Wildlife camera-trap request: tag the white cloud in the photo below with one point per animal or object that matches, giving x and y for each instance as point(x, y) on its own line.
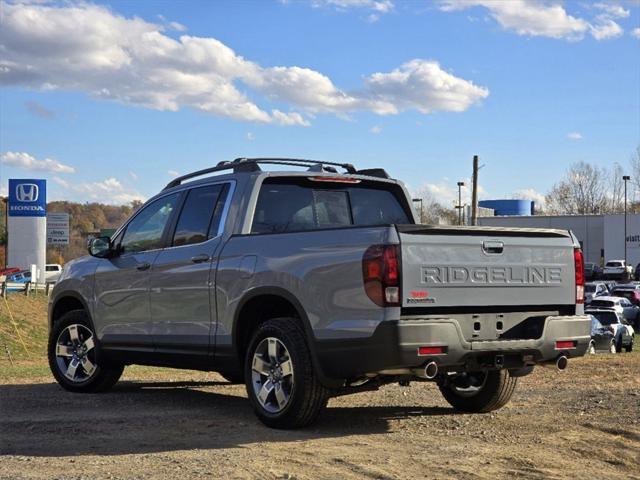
point(88, 48)
point(380, 6)
point(172, 173)
point(109, 190)
point(530, 194)
point(27, 162)
point(133, 175)
point(636, 32)
point(376, 129)
point(574, 136)
point(612, 10)
point(421, 85)
point(547, 18)
point(606, 28)
point(250, 136)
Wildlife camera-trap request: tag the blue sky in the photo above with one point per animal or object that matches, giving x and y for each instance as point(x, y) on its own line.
point(109, 100)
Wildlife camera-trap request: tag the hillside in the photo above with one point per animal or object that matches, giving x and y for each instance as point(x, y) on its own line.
point(85, 218)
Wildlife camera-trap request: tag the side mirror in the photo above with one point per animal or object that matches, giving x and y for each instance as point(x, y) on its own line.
point(100, 247)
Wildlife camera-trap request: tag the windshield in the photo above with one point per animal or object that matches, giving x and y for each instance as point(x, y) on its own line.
point(602, 303)
point(606, 318)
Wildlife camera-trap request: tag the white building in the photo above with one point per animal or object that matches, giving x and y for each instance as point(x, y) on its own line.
point(601, 236)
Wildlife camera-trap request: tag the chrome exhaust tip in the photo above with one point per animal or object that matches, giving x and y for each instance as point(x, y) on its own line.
point(431, 370)
point(562, 362)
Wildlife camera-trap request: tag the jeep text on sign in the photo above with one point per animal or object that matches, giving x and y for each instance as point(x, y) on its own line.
point(58, 229)
point(27, 198)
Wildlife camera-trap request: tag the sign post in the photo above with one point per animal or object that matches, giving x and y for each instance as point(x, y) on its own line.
point(57, 229)
point(27, 225)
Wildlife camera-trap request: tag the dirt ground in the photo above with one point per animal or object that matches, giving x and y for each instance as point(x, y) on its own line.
point(584, 422)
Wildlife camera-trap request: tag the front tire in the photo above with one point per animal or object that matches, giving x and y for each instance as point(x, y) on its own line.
point(479, 392)
point(74, 355)
point(592, 348)
point(281, 382)
point(629, 348)
point(613, 348)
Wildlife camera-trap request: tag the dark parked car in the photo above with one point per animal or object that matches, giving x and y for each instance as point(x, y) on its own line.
point(602, 339)
point(592, 271)
point(615, 322)
point(636, 274)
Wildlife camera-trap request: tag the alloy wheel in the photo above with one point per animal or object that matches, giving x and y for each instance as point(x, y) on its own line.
point(75, 353)
point(272, 375)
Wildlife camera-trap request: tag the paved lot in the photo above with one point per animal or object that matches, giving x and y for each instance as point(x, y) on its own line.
point(584, 422)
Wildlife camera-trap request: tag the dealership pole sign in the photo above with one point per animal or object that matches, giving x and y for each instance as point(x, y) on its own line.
point(27, 198)
point(57, 229)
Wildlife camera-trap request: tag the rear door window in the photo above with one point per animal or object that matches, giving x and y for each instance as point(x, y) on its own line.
point(289, 206)
point(198, 220)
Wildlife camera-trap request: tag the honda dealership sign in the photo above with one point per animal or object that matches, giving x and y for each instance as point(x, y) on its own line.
point(27, 225)
point(27, 198)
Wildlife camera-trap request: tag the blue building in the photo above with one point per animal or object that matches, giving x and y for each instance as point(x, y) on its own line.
point(509, 207)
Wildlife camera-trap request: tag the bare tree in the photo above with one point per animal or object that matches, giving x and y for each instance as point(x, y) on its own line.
point(433, 212)
point(615, 190)
point(583, 190)
point(634, 163)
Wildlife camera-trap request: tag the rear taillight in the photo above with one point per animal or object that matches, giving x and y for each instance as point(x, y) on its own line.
point(579, 267)
point(381, 275)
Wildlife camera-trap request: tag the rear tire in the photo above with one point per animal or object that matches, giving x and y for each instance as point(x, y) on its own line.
point(75, 359)
point(629, 348)
point(480, 392)
point(281, 382)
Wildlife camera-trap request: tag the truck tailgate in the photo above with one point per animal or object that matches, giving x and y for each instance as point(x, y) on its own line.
point(484, 266)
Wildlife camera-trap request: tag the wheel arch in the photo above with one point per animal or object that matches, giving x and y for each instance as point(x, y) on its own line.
point(65, 302)
point(281, 303)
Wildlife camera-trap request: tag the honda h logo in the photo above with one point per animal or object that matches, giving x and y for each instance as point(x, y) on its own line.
point(27, 192)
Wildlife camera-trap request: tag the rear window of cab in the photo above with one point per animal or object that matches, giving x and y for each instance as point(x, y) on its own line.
point(293, 205)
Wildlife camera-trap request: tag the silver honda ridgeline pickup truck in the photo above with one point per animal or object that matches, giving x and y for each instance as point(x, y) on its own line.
point(310, 284)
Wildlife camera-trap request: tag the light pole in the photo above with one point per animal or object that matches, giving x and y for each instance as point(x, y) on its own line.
point(626, 178)
point(460, 185)
point(415, 200)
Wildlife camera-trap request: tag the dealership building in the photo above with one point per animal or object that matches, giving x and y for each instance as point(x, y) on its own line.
point(601, 236)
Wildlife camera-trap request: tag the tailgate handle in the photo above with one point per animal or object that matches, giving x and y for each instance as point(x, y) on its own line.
point(493, 248)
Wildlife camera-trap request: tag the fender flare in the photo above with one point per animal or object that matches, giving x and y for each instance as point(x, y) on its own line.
point(304, 318)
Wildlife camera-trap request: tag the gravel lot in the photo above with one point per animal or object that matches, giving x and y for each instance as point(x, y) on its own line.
point(584, 422)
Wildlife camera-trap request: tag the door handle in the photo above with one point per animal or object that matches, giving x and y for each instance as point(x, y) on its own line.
point(200, 258)
point(143, 266)
point(493, 248)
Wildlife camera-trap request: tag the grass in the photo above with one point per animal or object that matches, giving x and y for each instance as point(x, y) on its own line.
point(23, 319)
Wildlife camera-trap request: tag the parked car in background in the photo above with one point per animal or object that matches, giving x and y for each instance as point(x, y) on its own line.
point(616, 269)
point(623, 333)
point(19, 277)
point(602, 338)
point(619, 304)
point(636, 274)
point(594, 289)
point(52, 272)
point(592, 271)
point(9, 271)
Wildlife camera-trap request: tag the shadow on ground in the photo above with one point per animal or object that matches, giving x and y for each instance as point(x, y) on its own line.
point(44, 420)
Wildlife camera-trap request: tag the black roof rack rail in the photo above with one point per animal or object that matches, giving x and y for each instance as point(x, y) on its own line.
point(374, 172)
point(252, 165)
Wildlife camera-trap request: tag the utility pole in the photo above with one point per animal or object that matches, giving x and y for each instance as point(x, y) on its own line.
point(474, 192)
point(459, 207)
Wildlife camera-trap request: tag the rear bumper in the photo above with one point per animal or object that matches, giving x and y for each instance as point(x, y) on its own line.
point(394, 345)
